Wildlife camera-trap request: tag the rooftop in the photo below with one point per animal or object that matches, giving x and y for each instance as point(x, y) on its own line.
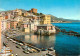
point(25, 23)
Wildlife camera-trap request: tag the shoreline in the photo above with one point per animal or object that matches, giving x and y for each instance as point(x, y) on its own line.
point(29, 45)
point(20, 34)
point(61, 22)
point(20, 51)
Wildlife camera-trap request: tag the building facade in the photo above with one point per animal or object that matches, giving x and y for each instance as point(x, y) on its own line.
point(46, 29)
point(25, 14)
point(3, 25)
point(6, 17)
point(17, 12)
point(13, 24)
point(8, 25)
point(0, 32)
point(1, 18)
point(25, 27)
point(45, 19)
point(33, 10)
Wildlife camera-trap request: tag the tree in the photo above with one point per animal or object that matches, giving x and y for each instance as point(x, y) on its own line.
point(41, 13)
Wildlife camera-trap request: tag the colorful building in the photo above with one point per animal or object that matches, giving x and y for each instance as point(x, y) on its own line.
point(45, 19)
point(8, 24)
point(33, 10)
point(32, 17)
point(25, 27)
point(46, 29)
point(25, 14)
point(1, 17)
point(3, 25)
point(13, 24)
point(0, 32)
point(27, 30)
point(6, 17)
point(17, 12)
point(19, 18)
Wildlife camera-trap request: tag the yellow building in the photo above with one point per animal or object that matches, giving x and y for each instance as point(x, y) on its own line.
point(26, 14)
point(18, 12)
point(45, 19)
point(27, 30)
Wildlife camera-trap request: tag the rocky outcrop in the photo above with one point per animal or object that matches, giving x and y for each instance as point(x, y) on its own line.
point(73, 33)
point(57, 29)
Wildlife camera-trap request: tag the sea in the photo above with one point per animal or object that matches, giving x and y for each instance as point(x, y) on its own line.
point(63, 44)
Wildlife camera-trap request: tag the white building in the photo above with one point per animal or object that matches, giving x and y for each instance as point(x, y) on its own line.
point(3, 25)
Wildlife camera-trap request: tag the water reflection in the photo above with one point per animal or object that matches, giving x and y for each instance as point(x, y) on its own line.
point(62, 43)
point(39, 41)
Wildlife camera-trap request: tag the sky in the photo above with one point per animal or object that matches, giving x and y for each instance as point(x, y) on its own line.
point(68, 9)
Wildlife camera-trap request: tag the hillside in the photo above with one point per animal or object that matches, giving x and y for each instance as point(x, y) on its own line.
point(62, 19)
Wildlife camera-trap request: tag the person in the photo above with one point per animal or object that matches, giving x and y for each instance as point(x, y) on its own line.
point(16, 54)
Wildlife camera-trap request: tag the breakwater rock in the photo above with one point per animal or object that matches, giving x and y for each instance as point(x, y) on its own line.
point(57, 29)
point(73, 33)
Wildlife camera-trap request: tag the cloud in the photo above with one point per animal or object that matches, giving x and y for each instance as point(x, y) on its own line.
point(1, 9)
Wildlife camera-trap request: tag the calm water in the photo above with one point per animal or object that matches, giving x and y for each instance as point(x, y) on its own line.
point(62, 43)
point(69, 26)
